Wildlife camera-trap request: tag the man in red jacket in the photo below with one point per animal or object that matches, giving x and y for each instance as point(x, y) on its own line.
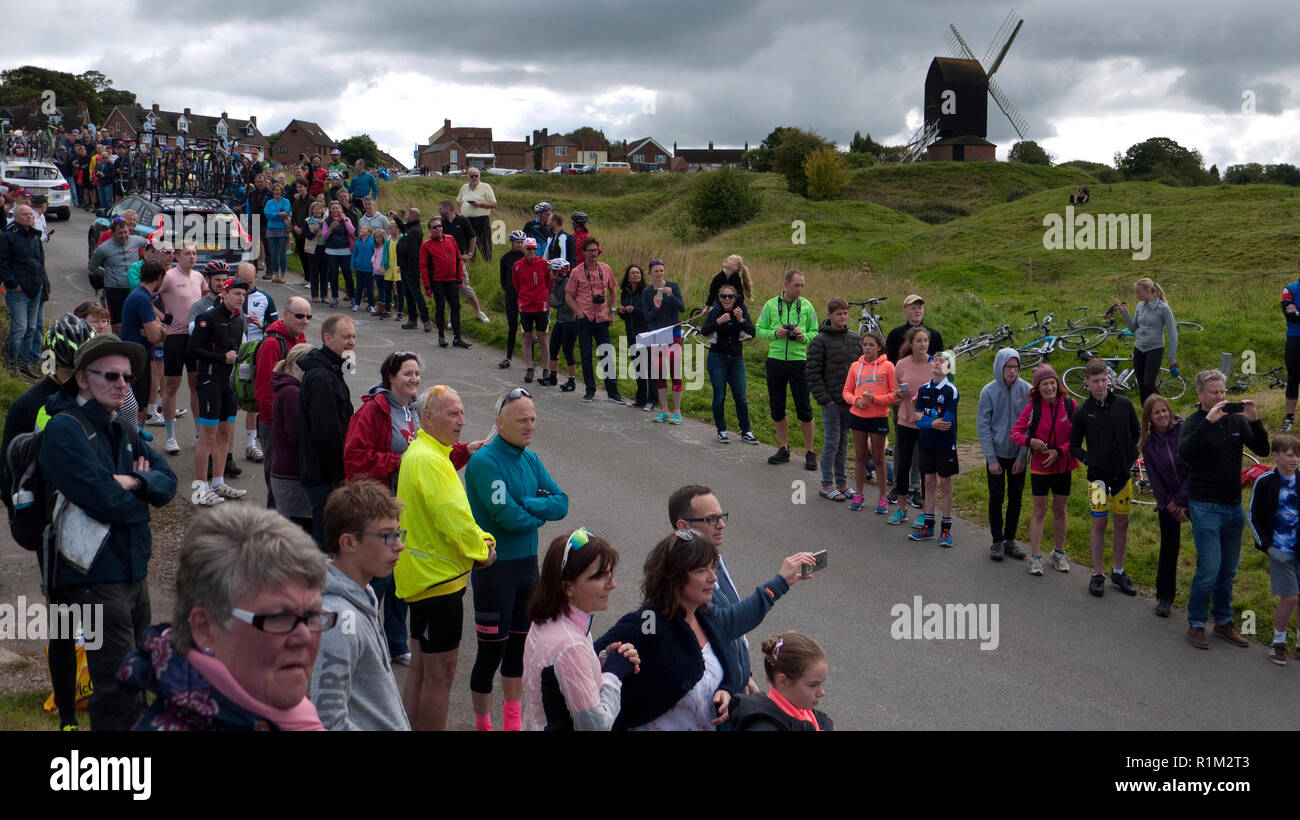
point(289, 330)
point(442, 271)
point(532, 282)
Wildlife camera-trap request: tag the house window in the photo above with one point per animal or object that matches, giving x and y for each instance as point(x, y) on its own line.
point(660, 159)
point(281, 149)
point(591, 156)
point(452, 157)
point(250, 130)
point(638, 158)
point(117, 129)
point(183, 125)
point(561, 150)
point(221, 129)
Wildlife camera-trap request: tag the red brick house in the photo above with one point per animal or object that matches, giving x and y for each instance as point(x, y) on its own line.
point(131, 122)
point(646, 154)
point(550, 150)
point(511, 154)
point(30, 117)
point(302, 137)
point(448, 155)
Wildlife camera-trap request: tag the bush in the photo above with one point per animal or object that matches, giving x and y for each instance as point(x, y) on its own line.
point(1030, 153)
point(789, 157)
point(858, 161)
point(826, 172)
point(722, 199)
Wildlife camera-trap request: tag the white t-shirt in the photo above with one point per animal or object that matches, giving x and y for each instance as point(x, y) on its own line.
point(483, 193)
point(695, 712)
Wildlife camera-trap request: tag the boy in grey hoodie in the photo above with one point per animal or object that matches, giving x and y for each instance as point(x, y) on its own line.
point(1001, 402)
point(352, 685)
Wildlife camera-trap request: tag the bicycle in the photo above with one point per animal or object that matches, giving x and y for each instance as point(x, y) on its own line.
point(1039, 349)
point(975, 345)
point(1142, 484)
point(1276, 380)
point(1124, 381)
point(869, 321)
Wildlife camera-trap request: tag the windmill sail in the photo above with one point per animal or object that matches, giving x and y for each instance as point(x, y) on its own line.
point(1002, 42)
point(1017, 121)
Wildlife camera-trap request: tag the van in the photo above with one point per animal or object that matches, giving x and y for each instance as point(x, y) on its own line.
point(614, 168)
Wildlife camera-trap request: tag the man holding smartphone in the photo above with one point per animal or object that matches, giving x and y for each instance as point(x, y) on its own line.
point(475, 202)
point(1211, 444)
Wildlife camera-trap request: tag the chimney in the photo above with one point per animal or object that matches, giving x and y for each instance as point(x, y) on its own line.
point(674, 154)
point(710, 145)
point(446, 124)
point(252, 118)
point(155, 109)
point(747, 149)
point(526, 142)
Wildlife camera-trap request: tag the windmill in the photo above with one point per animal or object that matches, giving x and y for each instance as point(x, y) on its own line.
point(956, 100)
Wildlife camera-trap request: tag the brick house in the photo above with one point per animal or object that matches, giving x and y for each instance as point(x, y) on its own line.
point(387, 160)
point(130, 122)
point(646, 154)
point(707, 159)
point(550, 150)
point(512, 154)
point(448, 155)
point(301, 137)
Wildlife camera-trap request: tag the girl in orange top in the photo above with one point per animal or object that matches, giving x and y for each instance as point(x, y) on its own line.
point(870, 389)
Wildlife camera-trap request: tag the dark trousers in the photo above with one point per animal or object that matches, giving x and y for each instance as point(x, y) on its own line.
point(126, 613)
point(1171, 533)
point(727, 371)
point(512, 323)
point(587, 332)
point(1146, 366)
point(414, 295)
point(446, 293)
point(482, 226)
point(1012, 487)
point(318, 496)
point(264, 436)
point(304, 258)
point(334, 265)
point(905, 439)
point(395, 611)
point(563, 335)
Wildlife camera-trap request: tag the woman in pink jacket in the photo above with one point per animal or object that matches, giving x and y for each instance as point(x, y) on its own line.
point(870, 390)
point(1049, 412)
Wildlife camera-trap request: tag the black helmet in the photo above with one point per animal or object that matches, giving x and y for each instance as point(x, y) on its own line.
point(216, 266)
point(65, 336)
point(578, 218)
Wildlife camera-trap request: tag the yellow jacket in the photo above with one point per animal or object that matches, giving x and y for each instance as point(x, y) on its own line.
point(443, 542)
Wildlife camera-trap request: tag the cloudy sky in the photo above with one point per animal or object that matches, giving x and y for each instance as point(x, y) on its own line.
point(1090, 78)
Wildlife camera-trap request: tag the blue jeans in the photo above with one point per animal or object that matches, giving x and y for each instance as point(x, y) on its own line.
point(728, 370)
point(1216, 529)
point(835, 445)
point(24, 313)
point(38, 335)
point(277, 260)
point(385, 290)
point(394, 610)
point(105, 196)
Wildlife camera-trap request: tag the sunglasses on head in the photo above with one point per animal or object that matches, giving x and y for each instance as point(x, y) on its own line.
point(517, 393)
point(577, 540)
point(654, 262)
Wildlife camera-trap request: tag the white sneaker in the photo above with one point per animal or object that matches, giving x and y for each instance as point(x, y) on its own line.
point(173, 447)
point(181, 411)
point(204, 496)
point(483, 317)
point(227, 491)
point(253, 453)
point(156, 420)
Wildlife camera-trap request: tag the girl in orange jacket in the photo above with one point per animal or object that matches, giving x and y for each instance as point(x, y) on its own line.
point(870, 390)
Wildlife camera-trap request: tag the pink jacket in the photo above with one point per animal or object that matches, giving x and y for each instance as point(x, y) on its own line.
point(1053, 428)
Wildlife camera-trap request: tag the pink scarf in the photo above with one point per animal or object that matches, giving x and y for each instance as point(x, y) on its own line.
point(300, 718)
point(806, 715)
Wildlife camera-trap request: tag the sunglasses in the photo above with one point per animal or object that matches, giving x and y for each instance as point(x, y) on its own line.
point(111, 376)
point(301, 315)
point(654, 262)
point(726, 296)
point(517, 393)
point(577, 540)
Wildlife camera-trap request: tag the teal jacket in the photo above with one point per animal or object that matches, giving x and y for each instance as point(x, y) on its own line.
point(502, 482)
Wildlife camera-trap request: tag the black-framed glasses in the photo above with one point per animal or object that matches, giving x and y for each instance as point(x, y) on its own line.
point(390, 537)
point(282, 623)
point(306, 316)
point(711, 520)
point(726, 296)
point(111, 376)
point(517, 393)
point(577, 540)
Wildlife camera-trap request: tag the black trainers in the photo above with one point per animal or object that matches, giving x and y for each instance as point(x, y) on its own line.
point(914, 499)
point(1125, 584)
point(995, 551)
point(528, 376)
point(781, 456)
point(590, 395)
point(810, 461)
point(1287, 424)
point(1162, 608)
point(617, 399)
point(1097, 586)
point(458, 342)
point(1012, 550)
point(232, 469)
point(442, 341)
point(504, 363)
point(567, 387)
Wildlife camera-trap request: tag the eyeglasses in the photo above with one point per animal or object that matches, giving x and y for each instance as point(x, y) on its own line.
point(711, 520)
point(726, 296)
point(390, 537)
point(305, 316)
point(517, 393)
point(111, 376)
point(282, 623)
point(577, 540)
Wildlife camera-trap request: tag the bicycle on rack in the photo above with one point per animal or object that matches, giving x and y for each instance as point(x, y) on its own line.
point(1047, 344)
point(1121, 381)
point(869, 321)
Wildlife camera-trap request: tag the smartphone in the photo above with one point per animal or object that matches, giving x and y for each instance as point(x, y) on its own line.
point(905, 387)
point(1234, 407)
point(820, 558)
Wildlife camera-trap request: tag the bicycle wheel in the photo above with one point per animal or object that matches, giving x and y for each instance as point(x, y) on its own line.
point(1029, 356)
point(1076, 382)
point(1190, 326)
point(1170, 386)
point(1084, 338)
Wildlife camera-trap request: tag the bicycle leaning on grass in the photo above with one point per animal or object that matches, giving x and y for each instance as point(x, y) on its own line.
point(1123, 379)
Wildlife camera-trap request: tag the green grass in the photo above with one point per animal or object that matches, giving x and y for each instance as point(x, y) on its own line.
point(21, 712)
point(1221, 253)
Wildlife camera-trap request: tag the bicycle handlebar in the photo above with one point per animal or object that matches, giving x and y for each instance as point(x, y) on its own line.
point(877, 300)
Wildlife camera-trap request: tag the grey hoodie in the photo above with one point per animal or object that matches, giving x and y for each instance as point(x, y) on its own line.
point(352, 685)
point(999, 408)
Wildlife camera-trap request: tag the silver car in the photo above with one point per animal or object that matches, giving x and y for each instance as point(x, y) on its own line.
point(38, 177)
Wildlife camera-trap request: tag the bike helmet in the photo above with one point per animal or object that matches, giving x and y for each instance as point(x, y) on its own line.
point(517, 235)
point(578, 218)
point(216, 266)
point(558, 264)
point(335, 175)
point(65, 336)
point(542, 206)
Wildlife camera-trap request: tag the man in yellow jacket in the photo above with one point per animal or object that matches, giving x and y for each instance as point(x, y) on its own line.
point(442, 545)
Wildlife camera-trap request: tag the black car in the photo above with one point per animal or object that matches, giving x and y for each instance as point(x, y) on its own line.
point(178, 218)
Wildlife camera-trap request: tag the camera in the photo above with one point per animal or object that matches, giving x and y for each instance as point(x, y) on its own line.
point(598, 299)
point(790, 328)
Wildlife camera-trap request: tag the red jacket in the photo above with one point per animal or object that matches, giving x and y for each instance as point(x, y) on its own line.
point(1053, 429)
point(367, 450)
point(440, 262)
point(318, 177)
point(532, 281)
point(268, 356)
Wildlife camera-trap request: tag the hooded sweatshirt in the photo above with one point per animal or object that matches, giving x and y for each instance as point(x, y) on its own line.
point(874, 381)
point(352, 684)
point(761, 713)
point(999, 408)
point(378, 434)
point(324, 409)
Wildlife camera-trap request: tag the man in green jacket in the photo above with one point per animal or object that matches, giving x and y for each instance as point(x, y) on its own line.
point(789, 322)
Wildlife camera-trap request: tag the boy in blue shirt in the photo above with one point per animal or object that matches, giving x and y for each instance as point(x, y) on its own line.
point(936, 407)
point(1274, 516)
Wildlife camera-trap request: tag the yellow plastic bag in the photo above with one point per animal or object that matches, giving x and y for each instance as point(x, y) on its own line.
point(84, 687)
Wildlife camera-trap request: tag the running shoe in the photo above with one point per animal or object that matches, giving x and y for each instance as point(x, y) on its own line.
point(856, 502)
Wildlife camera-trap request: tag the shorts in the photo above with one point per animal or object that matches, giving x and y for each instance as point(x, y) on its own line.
point(878, 424)
point(943, 462)
point(174, 359)
point(1057, 484)
point(216, 401)
point(780, 374)
point(142, 388)
point(1103, 501)
point(1282, 568)
point(501, 594)
point(436, 622)
point(530, 321)
point(157, 353)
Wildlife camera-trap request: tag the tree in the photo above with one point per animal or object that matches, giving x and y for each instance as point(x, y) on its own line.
point(1284, 174)
point(359, 147)
point(275, 137)
point(720, 199)
point(1162, 158)
point(589, 133)
point(760, 158)
point(21, 86)
point(1250, 173)
point(1030, 153)
point(826, 172)
point(789, 157)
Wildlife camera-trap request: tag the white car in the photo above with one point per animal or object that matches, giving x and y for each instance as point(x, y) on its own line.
point(37, 177)
point(501, 172)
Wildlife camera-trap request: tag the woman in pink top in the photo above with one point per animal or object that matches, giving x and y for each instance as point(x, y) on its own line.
point(1050, 462)
point(870, 389)
point(911, 371)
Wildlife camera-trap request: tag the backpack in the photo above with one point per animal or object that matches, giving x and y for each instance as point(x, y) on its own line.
point(30, 513)
point(243, 375)
point(1252, 473)
point(1036, 414)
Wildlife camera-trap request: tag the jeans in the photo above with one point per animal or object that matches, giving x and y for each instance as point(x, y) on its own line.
point(1011, 486)
point(599, 331)
point(366, 283)
point(277, 261)
point(835, 445)
point(394, 610)
point(37, 336)
point(105, 196)
point(126, 613)
point(728, 370)
point(72, 188)
point(1216, 529)
point(334, 265)
point(383, 291)
point(24, 311)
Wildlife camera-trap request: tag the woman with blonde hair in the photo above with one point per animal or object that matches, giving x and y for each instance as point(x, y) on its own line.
point(733, 273)
point(1150, 323)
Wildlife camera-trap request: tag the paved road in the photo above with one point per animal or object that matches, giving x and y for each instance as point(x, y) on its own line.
point(1063, 659)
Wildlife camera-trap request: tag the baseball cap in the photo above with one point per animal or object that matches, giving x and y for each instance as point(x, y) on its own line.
point(913, 298)
point(234, 284)
point(39, 199)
